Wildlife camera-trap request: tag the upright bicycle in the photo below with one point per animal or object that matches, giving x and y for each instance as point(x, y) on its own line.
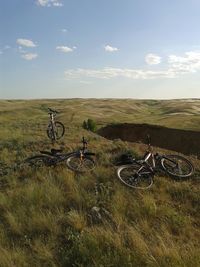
point(139, 174)
point(55, 129)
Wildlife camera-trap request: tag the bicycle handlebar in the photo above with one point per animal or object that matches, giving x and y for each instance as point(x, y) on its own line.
point(52, 110)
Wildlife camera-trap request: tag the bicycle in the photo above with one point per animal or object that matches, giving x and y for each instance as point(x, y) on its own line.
point(139, 174)
point(55, 129)
point(78, 161)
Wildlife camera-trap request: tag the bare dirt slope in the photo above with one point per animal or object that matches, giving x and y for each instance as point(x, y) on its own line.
point(183, 141)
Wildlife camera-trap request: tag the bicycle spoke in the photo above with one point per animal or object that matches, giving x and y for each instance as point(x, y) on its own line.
point(81, 165)
point(177, 166)
point(135, 176)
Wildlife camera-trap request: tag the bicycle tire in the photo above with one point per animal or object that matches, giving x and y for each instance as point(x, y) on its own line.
point(183, 168)
point(38, 161)
point(59, 131)
point(128, 175)
point(75, 163)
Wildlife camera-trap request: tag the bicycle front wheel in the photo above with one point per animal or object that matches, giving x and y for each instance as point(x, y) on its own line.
point(177, 166)
point(59, 129)
point(85, 164)
point(135, 176)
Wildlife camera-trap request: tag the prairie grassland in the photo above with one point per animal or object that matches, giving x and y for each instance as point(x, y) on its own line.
point(46, 214)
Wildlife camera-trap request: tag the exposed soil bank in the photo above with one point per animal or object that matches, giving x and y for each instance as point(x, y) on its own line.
point(183, 141)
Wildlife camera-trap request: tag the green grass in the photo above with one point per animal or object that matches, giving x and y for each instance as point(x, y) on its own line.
point(46, 214)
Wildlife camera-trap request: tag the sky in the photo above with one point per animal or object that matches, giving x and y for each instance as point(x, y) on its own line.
point(99, 49)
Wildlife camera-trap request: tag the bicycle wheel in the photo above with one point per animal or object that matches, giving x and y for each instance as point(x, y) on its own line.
point(75, 163)
point(56, 132)
point(177, 166)
point(38, 161)
point(59, 130)
point(135, 176)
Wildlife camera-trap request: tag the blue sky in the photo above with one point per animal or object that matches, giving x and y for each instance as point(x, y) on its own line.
point(99, 48)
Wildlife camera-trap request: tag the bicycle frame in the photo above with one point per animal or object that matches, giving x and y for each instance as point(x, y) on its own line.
point(145, 165)
point(149, 155)
point(52, 118)
point(154, 157)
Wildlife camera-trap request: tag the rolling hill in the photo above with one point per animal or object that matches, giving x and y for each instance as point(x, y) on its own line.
point(51, 217)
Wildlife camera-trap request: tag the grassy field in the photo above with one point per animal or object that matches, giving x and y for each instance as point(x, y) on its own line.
point(47, 215)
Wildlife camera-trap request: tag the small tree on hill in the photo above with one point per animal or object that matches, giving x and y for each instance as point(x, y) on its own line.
point(90, 125)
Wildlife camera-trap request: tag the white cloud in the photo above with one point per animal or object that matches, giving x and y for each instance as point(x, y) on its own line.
point(25, 42)
point(1, 52)
point(190, 62)
point(177, 66)
point(42, 2)
point(57, 4)
point(65, 49)
point(64, 30)
point(108, 73)
point(152, 59)
point(109, 48)
point(49, 3)
point(29, 56)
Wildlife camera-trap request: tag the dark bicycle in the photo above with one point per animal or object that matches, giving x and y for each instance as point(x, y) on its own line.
point(55, 129)
point(139, 173)
point(78, 161)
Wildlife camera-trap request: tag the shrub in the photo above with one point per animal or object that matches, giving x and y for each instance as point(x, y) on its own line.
point(90, 125)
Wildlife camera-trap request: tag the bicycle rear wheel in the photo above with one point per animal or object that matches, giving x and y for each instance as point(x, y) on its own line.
point(38, 161)
point(75, 163)
point(135, 176)
point(177, 166)
point(56, 132)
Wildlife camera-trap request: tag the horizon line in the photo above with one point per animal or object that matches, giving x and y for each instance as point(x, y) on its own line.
point(98, 98)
